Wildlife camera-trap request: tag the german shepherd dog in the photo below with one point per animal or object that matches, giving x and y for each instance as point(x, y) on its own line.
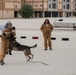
point(26, 49)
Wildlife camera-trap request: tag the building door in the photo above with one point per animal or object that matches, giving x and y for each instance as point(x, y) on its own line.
point(38, 14)
point(47, 14)
point(15, 14)
point(54, 14)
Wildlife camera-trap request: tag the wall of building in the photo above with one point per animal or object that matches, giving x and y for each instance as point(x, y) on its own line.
point(9, 7)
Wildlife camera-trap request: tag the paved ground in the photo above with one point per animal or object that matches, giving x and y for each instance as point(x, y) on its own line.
point(61, 60)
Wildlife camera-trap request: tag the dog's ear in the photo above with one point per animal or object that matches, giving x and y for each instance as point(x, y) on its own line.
point(13, 28)
point(4, 34)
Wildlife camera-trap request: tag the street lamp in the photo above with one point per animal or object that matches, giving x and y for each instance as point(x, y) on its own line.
point(43, 8)
point(33, 8)
point(2, 8)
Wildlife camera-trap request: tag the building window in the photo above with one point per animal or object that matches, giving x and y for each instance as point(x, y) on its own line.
point(54, 5)
point(63, 6)
point(35, 5)
point(53, 0)
point(41, 5)
point(68, 0)
point(67, 6)
point(49, 5)
point(15, 6)
point(64, 0)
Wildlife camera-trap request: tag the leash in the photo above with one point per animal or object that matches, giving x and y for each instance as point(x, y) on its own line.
point(39, 62)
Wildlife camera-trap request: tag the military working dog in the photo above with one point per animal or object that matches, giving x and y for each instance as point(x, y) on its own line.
point(19, 47)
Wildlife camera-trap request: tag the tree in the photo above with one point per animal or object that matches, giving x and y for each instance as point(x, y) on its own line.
point(26, 11)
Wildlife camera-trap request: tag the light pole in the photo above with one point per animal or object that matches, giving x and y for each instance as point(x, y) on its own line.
point(43, 13)
point(2, 8)
point(14, 8)
point(33, 8)
point(24, 2)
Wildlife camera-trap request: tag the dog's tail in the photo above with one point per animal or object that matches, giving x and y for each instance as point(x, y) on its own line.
point(34, 46)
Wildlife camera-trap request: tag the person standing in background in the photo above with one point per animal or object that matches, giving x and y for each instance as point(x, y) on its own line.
point(46, 29)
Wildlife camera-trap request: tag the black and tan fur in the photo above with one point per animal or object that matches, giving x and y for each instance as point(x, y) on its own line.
point(26, 49)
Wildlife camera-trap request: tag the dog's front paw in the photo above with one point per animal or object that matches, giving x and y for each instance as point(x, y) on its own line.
point(32, 56)
point(28, 60)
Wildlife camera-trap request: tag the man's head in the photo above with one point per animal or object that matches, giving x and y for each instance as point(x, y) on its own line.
point(9, 25)
point(46, 21)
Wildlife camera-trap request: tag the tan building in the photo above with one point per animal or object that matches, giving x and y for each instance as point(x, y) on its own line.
point(42, 8)
point(9, 8)
point(61, 8)
point(39, 6)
